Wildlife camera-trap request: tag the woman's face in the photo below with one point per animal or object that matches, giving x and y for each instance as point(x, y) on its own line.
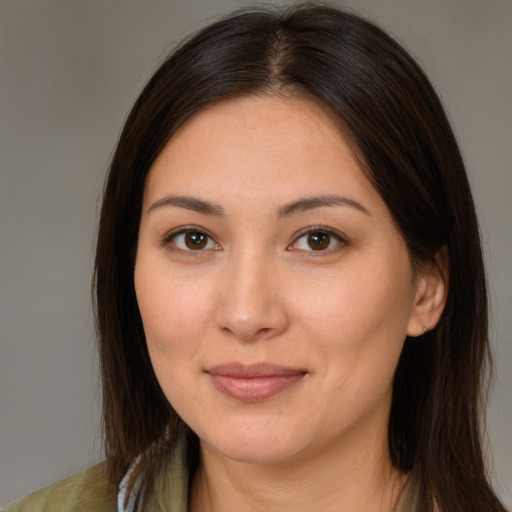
point(274, 288)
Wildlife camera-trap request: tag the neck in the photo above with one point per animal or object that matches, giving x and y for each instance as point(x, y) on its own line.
point(342, 477)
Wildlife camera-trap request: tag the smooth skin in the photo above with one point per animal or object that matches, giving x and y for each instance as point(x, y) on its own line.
point(263, 241)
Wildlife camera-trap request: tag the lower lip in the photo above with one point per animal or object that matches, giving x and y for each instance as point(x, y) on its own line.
point(254, 389)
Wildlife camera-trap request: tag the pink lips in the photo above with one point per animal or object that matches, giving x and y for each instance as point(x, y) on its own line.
point(253, 383)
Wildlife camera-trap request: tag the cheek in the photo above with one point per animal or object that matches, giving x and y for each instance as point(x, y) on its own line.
point(358, 330)
point(357, 321)
point(174, 312)
point(350, 302)
point(174, 325)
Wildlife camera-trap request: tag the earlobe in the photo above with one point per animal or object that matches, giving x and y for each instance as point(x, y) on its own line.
point(430, 296)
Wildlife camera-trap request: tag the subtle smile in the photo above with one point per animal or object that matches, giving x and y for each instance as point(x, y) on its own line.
point(253, 383)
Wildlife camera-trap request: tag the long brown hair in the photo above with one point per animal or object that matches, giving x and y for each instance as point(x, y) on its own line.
point(395, 119)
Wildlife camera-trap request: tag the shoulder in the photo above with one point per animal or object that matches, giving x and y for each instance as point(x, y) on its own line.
point(84, 491)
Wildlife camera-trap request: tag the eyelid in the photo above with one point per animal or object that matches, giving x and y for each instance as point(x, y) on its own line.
point(341, 238)
point(168, 238)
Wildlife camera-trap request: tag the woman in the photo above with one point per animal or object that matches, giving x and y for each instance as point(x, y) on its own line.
point(290, 292)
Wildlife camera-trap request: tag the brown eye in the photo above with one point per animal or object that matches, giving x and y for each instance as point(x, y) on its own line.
point(195, 240)
point(319, 241)
point(192, 240)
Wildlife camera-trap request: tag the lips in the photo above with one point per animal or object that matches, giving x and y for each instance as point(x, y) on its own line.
point(254, 383)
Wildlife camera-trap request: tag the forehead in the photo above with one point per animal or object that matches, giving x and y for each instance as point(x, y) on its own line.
point(259, 145)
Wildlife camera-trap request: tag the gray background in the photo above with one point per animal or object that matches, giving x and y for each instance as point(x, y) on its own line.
point(69, 71)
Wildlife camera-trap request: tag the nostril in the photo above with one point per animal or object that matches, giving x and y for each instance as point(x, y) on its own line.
point(248, 331)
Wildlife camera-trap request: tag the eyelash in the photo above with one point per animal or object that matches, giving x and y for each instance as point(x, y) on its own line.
point(170, 238)
point(341, 240)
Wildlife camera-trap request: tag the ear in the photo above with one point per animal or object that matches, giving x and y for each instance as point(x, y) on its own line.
point(430, 295)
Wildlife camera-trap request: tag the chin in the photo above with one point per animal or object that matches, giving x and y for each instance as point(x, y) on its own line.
point(253, 446)
point(256, 454)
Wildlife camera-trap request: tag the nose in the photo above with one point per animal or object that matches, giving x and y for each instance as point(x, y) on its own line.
point(251, 300)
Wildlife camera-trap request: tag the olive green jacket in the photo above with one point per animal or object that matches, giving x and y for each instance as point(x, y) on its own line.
point(89, 491)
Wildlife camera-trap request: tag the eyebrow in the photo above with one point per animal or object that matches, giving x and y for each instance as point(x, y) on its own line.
point(299, 206)
point(310, 203)
point(189, 203)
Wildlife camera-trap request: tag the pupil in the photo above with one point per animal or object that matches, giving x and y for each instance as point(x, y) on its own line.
point(318, 241)
point(195, 240)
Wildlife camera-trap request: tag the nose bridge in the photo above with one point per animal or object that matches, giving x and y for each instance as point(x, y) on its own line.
point(250, 303)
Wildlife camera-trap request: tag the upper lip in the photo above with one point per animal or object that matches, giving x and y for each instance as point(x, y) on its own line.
point(253, 370)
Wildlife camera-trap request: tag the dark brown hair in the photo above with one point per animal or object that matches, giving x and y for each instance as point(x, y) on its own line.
point(388, 107)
